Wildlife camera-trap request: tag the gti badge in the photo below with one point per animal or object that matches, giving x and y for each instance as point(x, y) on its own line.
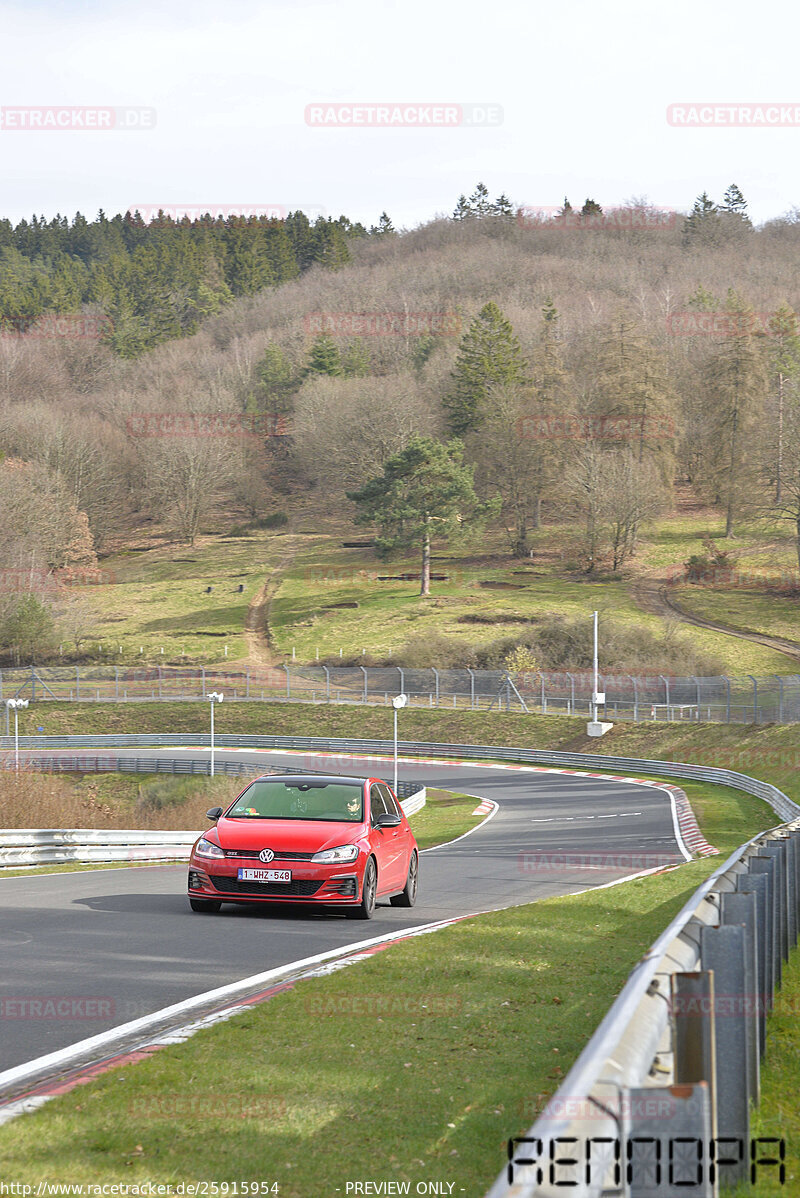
point(266, 855)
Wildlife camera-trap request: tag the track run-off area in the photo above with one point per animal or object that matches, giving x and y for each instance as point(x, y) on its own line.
point(110, 946)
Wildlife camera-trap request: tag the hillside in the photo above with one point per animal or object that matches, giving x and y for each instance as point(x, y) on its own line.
point(625, 330)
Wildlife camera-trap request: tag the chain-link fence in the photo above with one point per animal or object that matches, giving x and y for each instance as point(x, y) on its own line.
point(746, 700)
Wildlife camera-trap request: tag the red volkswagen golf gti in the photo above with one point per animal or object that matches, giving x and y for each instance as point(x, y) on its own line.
point(341, 842)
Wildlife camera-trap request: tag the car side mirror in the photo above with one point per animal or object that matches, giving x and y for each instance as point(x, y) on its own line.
point(214, 813)
point(387, 820)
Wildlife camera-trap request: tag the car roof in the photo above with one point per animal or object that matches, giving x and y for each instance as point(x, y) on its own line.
point(345, 779)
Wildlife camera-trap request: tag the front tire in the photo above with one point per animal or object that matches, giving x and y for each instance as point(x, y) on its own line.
point(208, 905)
point(369, 890)
point(408, 896)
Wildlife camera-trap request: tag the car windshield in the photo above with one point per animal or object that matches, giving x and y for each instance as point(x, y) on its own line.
point(267, 799)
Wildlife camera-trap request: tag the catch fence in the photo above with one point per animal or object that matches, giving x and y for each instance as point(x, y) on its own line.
point(741, 700)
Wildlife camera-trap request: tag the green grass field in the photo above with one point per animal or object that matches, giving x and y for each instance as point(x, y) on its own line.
point(332, 599)
point(156, 599)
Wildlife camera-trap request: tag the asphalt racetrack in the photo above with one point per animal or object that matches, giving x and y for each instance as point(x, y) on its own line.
point(118, 944)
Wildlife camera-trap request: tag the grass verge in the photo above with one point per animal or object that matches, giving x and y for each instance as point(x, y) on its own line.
point(416, 1065)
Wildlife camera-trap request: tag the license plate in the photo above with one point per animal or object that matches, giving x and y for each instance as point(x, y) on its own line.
point(265, 875)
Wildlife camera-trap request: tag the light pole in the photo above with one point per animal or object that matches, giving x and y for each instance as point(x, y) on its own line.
point(597, 727)
point(397, 702)
point(15, 705)
point(213, 697)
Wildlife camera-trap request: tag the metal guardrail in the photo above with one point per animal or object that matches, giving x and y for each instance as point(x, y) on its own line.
point(780, 803)
point(749, 699)
point(49, 846)
point(70, 763)
point(659, 1101)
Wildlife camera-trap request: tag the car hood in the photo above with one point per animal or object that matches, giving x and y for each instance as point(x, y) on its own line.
point(292, 835)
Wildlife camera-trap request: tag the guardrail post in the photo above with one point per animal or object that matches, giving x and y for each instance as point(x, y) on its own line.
point(740, 909)
point(695, 1040)
point(757, 885)
point(790, 844)
point(722, 950)
point(777, 849)
point(768, 866)
point(668, 1133)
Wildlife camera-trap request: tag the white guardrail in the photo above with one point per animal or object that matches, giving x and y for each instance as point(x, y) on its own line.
point(28, 847)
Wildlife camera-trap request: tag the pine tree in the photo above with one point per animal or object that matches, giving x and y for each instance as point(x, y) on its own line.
point(734, 386)
point(489, 355)
point(634, 403)
point(591, 208)
point(479, 202)
point(734, 201)
point(784, 358)
point(462, 209)
point(703, 224)
point(384, 225)
point(325, 357)
point(425, 491)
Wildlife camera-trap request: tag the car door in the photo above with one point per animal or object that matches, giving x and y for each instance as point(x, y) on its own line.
point(397, 837)
point(380, 838)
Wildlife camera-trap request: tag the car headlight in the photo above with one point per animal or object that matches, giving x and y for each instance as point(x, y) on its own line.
point(205, 848)
point(337, 856)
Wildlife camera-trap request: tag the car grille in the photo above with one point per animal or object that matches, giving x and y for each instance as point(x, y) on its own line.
point(279, 854)
point(300, 889)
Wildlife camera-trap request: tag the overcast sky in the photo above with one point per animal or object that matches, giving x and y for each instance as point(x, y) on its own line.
point(583, 90)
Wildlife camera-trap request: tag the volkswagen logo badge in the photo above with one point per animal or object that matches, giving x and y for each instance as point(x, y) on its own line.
point(266, 855)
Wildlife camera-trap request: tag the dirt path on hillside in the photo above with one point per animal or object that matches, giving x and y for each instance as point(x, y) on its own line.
point(261, 652)
point(652, 595)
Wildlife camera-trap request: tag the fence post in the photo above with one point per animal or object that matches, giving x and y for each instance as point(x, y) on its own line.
point(755, 697)
point(159, 682)
point(203, 673)
point(728, 700)
point(471, 688)
point(116, 683)
point(402, 690)
point(571, 693)
point(288, 683)
point(247, 684)
point(77, 682)
point(364, 672)
point(779, 680)
point(635, 699)
point(436, 676)
point(327, 684)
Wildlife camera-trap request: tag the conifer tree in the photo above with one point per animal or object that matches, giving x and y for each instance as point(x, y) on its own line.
point(489, 355)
